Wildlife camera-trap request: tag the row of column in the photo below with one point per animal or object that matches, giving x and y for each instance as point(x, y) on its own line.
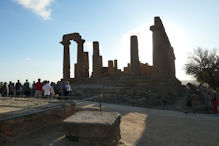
point(163, 55)
point(82, 66)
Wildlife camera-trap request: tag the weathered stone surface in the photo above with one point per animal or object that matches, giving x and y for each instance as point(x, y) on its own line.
point(138, 83)
point(97, 61)
point(23, 116)
point(163, 54)
point(134, 56)
point(86, 65)
point(94, 128)
point(66, 59)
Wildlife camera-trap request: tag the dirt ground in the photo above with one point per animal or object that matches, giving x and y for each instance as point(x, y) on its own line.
point(141, 127)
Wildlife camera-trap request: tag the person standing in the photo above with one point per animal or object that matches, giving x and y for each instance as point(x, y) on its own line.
point(18, 88)
point(33, 89)
point(26, 88)
point(5, 90)
point(47, 89)
point(68, 89)
point(188, 96)
point(214, 102)
point(38, 89)
point(11, 89)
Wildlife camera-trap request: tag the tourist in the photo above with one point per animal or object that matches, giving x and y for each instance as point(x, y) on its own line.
point(64, 88)
point(47, 89)
point(38, 89)
point(26, 89)
point(68, 89)
point(53, 92)
point(5, 90)
point(214, 102)
point(59, 88)
point(18, 88)
point(188, 96)
point(33, 89)
point(11, 89)
point(1, 84)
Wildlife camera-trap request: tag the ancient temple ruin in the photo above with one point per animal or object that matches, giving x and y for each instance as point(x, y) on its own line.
point(158, 78)
point(82, 66)
point(163, 54)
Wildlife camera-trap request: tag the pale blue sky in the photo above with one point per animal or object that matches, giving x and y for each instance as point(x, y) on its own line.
point(30, 32)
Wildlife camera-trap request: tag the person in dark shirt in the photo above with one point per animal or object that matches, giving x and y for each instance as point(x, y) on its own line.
point(18, 88)
point(11, 89)
point(26, 88)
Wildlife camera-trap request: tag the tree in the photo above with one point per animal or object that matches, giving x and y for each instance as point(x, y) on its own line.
point(204, 66)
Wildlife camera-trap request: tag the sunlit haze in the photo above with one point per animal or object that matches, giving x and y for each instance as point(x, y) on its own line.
point(30, 32)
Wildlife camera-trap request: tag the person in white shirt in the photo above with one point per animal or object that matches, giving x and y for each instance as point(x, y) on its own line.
point(47, 89)
point(67, 88)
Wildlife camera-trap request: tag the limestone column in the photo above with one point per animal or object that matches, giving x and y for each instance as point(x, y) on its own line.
point(66, 59)
point(86, 65)
point(110, 68)
point(115, 64)
point(96, 60)
point(80, 58)
point(134, 55)
point(101, 61)
point(163, 54)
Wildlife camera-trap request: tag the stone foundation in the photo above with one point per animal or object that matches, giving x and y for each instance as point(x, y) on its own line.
point(137, 91)
point(93, 128)
point(18, 121)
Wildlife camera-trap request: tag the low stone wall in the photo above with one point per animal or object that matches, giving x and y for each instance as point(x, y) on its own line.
point(23, 124)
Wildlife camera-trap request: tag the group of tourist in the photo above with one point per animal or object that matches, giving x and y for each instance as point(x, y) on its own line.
point(206, 96)
point(37, 89)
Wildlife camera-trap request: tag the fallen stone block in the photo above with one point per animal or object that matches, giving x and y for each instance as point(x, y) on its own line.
point(93, 128)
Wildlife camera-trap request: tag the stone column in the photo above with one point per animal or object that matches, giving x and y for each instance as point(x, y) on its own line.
point(101, 61)
point(110, 68)
point(96, 60)
point(134, 55)
point(115, 64)
point(75, 65)
point(86, 65)
point(163, 54)
point(66, 59)
point(80, 58)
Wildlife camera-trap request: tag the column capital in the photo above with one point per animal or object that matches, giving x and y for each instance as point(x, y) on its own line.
point(80, 41)
point(65, 42)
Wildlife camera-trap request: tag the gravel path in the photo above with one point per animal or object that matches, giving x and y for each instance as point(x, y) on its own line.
point(154, 127)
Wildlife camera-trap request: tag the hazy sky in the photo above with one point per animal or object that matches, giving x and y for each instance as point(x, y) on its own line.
point(30, 32)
